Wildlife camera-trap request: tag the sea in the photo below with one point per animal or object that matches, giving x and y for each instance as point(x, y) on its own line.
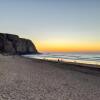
point(85, 58)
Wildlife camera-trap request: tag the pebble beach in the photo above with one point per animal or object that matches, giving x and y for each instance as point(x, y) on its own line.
point(32, 79)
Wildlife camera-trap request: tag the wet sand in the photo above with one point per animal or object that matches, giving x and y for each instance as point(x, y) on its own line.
point(31, 79)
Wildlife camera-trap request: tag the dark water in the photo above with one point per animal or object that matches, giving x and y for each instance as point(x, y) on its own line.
point(88, 58)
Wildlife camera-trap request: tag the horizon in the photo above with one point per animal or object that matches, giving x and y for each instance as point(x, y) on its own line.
point(54, 25)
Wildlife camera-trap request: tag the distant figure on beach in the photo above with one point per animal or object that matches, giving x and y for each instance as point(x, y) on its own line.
point(58, 60)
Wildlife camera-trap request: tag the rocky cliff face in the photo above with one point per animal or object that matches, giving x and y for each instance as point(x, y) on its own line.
point(13, 44)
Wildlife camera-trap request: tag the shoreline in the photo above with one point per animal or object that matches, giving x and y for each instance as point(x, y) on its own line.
point(79, 67)
point(68, 62)
point(78, 61)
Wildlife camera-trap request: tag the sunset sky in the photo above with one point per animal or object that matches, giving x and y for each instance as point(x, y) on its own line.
point(54, 25)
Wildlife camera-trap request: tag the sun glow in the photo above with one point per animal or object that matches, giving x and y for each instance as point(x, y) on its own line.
point(65, 46)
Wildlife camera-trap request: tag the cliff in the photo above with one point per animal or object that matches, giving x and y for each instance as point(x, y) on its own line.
point(13, 44)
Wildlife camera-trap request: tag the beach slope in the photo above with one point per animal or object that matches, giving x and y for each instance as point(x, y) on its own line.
point(30, 79)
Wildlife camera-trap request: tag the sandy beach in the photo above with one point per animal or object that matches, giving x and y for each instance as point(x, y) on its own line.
point(30, 79)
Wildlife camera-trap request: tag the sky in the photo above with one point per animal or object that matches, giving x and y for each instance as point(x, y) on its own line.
point(54, 25)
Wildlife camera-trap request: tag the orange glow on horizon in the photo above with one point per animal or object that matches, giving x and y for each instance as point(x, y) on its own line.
point(67, 47)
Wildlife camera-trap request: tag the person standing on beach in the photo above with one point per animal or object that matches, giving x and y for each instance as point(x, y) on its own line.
point(58, 60)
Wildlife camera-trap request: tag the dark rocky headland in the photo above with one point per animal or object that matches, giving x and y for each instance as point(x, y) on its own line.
point(13, 44)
